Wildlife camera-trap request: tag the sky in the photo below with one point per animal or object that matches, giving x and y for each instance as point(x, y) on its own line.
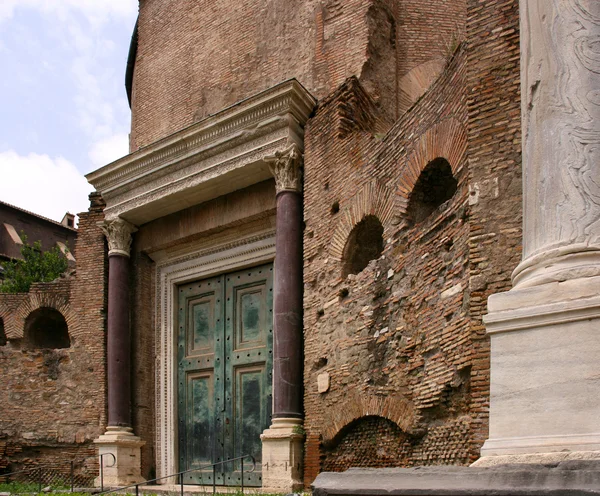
point(63, 105)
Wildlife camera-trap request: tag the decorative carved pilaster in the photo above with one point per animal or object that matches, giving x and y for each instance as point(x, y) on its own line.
point(286, 166)
point(118, 233)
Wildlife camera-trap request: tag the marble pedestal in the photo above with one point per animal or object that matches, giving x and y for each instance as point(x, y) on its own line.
point(282, 450)
point(545, 373)
point(126, 448)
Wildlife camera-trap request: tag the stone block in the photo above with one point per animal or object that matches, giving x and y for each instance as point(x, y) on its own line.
point(282, 453)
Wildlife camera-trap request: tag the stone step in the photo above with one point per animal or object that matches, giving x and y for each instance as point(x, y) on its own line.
point(570, 478)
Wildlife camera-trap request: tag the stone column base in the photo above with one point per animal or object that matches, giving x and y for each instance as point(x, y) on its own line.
point(544, 459)
point(282, 456)
point(545, 381)
point(125, 468)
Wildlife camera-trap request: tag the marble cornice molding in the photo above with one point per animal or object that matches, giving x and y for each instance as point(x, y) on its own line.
point(118, 234)
point(286, 167)
point(232, 142)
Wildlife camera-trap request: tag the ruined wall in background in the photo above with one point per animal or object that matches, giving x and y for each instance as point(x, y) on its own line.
point(393, 340)
point(494, 152)
point(53, 399)
point(195, 58)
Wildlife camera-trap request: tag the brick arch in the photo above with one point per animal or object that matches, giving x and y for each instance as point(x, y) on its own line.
point(395, 408)
point(43, 300)
point(372, 199)
point(417, 81)
point(447, 139)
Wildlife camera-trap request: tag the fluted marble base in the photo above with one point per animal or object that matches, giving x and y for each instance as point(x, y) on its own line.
point(545, 373)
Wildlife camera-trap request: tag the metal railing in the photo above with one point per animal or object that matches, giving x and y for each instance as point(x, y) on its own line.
point(51, 475)
point(180, 475)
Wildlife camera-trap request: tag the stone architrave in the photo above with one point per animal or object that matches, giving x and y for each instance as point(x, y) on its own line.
point(545, 345)
point(118, 445)
point(282, 443)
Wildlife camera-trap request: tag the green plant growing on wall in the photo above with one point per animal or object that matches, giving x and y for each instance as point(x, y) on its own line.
point(36, 266)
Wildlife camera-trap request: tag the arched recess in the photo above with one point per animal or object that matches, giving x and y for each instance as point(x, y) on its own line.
point(43, 299)
point(46, 328)
point(417, 81)
point(370, 441)
point(447, 140)
point(2, 333)
point(435, 186)
point(372, 200)
point(364, 243)
point(394, 407)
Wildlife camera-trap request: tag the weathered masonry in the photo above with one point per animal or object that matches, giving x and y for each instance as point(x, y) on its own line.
point(318, 202)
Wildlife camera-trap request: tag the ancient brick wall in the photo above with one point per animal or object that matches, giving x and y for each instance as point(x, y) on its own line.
point(52, 403)
point(394, 340)
point(195, 58)
point(494, 176)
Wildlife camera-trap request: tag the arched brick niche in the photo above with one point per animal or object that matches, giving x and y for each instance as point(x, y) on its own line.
point(417, 81)
point(367, 215)
point(2, 333)
point(365, 243)
point(46, 328)
point(356, 405)
point(435, 186)
point(432, 165)
point(37, 300)
point(370, 441)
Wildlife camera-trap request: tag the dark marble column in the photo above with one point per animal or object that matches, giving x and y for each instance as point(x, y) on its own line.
point(118, 233)
point(288, 284)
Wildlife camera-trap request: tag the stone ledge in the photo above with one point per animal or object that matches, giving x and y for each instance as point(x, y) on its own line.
point(570, 478)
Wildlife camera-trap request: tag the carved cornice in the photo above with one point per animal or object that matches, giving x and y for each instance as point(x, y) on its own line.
point(286, 167)
point(118, 233)
point(215, 156)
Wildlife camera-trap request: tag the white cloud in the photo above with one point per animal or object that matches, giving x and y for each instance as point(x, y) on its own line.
point(46, 186)
point(97, 12)
point(108, 150)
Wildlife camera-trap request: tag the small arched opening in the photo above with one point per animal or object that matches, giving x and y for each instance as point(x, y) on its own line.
point(2, 333)
point(370, 441)
point(365, 243)
point(436, 185)
point(46, 328)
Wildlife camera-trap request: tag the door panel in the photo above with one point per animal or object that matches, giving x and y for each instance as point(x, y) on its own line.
point(225, 370)
point(199, 406)
point(200, 440)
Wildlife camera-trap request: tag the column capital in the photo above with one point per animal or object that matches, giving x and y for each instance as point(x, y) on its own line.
point(286, 167)
point(118, 233)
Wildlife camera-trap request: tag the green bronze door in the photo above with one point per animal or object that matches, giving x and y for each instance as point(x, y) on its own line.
point(224, 374)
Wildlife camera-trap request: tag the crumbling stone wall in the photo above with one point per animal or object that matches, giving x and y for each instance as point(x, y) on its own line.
point(394, 340)
point(196, 57)
point(52, 403)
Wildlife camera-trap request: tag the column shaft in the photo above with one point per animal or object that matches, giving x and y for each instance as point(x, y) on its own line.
point(287, 340)
point(560, 66)
point(118, 342)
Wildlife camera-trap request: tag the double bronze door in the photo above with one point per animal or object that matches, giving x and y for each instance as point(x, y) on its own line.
point(225, 328)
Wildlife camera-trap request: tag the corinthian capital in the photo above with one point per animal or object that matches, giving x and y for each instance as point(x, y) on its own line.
point(118, 233)
point(286, 166)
